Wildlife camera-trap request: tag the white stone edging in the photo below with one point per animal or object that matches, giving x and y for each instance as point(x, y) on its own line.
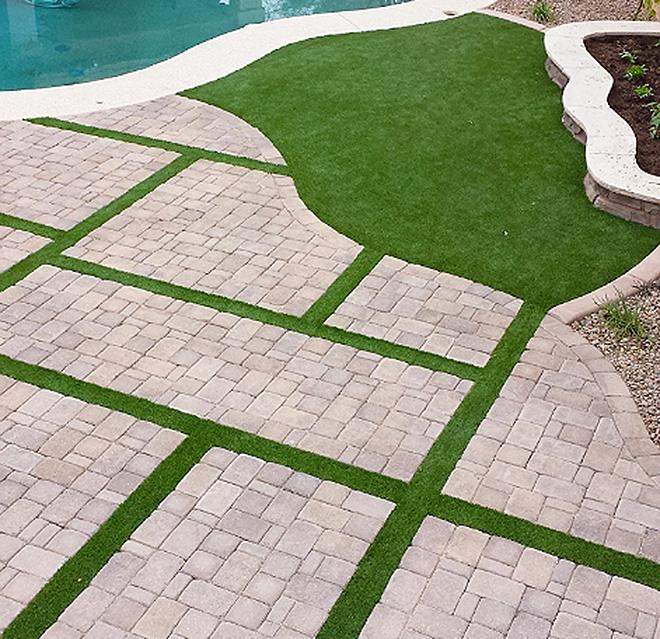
point(611, 143)
point(647, 271)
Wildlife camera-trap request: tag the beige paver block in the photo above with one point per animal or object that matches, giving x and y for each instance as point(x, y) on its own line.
point(568, 626)
point(57, 471)
point(16, 245)
point(73, 174)
point(422, 308)
point(357, 419)
point(511, 591)
point(160, 620)
point(51, 506)
point(178, 119)
point(404, 589)
point(229, 584)
point(466, 545)
point(214, 236)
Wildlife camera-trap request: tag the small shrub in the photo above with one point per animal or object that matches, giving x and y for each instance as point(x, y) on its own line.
point(628, 56)
point(655, 118)
point(644, 91)
point(623, 319)
point(635, 71)
point(542, 11)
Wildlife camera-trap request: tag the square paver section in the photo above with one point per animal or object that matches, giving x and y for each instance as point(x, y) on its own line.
point(229, 231)
point(241, 548)
point(437, 312)
point(59, 178)
point(16, 245)
point(551, 452)
point(178, 119)
point(458, 583)
point(331, 399)
point(65, 466)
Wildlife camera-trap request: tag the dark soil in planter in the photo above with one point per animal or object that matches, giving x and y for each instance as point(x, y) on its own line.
point(622, 98)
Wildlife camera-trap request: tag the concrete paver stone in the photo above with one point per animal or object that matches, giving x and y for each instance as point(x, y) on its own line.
point(233, 579)
point(16, 245)
point(508, 592)
point(229, 231)
point(59, 178)
point(178, 119)
point(302, 391)
point(53, 498)
point(572, 460)
point(437, 312)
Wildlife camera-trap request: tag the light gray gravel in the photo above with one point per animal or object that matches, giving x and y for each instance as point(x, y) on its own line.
point(573, 10)
point(638, 362)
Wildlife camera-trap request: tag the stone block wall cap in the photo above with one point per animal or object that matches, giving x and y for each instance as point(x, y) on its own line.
point(585, 101)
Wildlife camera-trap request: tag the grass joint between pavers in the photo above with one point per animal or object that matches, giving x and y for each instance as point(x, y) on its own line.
point(182, 149)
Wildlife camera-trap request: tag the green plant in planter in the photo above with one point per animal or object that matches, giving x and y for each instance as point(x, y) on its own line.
point(655, 118)
point(623, 319)
point(542, 11)
point(644, 91)
point(629, 56)
point(646, 9)
point(635, 71)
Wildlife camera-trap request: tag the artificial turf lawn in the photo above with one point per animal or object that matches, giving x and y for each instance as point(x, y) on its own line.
point(441, 144)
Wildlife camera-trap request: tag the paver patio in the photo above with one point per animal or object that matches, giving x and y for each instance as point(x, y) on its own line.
point(221, 418)
point(228, 231)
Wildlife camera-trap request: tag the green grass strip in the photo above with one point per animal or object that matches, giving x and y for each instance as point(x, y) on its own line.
point(366, 587)
point(339, 290)
point(30, 227)
point(402, 353)
point(182, 293)
point(288, 322)
point(226, 437)
point(450, 445)
point(192, 151)
point(76, 574)
point(68, 238)
point(562, 545)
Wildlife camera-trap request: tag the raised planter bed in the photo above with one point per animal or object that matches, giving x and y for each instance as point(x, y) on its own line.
point(614, 182)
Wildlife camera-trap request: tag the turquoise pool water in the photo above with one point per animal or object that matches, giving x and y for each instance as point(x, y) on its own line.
point(42, 47)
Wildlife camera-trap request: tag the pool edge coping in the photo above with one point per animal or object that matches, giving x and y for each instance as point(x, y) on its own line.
point(218, 57)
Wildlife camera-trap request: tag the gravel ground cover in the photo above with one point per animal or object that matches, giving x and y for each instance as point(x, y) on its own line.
point(636, 360)
point(564, 11)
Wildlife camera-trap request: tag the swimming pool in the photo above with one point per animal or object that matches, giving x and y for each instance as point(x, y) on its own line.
point(43, 47)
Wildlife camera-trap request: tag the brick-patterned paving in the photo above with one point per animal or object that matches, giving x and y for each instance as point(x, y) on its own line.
point(59, 178)
point(331, 399)
point(422, 308)
point(458, 583)
point(64, 468)
point(178, 119)
point(549, 451)
point(16, 245)
point(242, 548)
point(229, 231)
